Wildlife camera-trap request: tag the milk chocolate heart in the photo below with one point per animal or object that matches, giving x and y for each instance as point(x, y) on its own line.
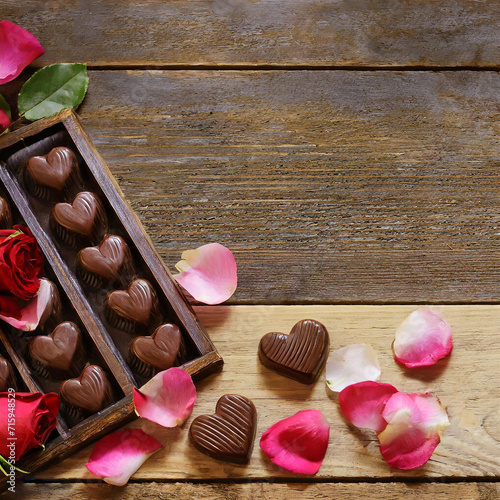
point(90, 392)
point(299, 355)
point(59, 354)
point(5, 214)
point(138, 305)
point(49, 177)
point(52, 314)
point(80, 222)
point(7, 379)
point(111, 260)
point(158, 351)
point(229, 433)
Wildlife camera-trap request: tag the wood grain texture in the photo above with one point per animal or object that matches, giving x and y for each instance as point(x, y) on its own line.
point(262, 491)
point(329, 187)
point(262, 32)
point(465, 383)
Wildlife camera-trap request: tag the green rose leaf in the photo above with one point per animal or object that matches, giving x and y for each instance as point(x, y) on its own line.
point(4, 105)
point(52, 89)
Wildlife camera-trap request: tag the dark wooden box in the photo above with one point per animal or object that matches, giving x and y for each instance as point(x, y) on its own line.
point(201, 357)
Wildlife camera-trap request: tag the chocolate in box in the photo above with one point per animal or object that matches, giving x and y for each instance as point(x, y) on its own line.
point(104, 309)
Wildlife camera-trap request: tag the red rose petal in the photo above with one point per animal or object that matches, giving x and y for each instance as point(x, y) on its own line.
point(363, 403)
point(298, 443)
point(18, 48)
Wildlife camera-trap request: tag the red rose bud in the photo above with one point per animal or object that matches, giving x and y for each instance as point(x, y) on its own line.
point(20, 263)
point(26, 421)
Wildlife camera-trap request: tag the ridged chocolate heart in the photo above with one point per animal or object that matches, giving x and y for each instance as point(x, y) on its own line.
point(84, 216)
point(161, 349)
point(61, 352)
point(137, 303)
point(229, 433)
point(109, 261)
point(91, 391)
point(53, 170)
point(7, 379)
point(299, 355)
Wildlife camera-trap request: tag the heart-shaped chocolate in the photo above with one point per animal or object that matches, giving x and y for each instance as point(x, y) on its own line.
point(5, 214)
point(108, 261)
point(52, 314)
point(81, 221)
point(90, 392)
point(299, 355)
point(137, 304)
point(49, 176)
point(229, 433)
point(161, 349)
point(61, 352)
point(7, 379)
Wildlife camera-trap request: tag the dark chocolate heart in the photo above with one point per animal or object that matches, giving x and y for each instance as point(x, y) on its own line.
point(91, 391)
point(6, 375)
point(107, 259)
point(299, 355)
point(161, 349)
point(53, 170)
point(60, 350)
point(5, 214)
point(137, 303)
point(229, 433)
point(82, 215)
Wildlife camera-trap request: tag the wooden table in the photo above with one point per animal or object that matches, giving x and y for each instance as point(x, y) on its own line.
point(347, 152)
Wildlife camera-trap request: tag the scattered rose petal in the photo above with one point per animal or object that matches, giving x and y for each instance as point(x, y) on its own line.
point(363, 403)
point(4, 120)
point(409, 426)
point(120, 454)
point(415, 423)
point(422, 339)
point(298, 443)
point(350, 365)
point(208, 273)
point(167, 399)
point(18, 48)
point(32, 312)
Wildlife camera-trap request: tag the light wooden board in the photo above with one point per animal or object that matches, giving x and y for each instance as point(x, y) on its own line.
point(329, 187)
point(466, 383)
point(302, 491)
point(259, 32)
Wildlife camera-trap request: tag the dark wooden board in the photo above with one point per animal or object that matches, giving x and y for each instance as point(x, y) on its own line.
point(250, 32)
point(263, 491)
point(329, 187)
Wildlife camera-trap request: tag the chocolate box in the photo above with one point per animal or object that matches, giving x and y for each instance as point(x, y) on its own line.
point(105, 345)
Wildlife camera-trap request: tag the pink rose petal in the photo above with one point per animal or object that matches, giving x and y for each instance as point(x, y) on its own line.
point(4, 120)
point(32, 312)
point(298, 443)
point(422, 339)
point(363, 403)
point(120, 454)
point(208, 273)
point(415, 423)
point(167, 399)
point(18, 48)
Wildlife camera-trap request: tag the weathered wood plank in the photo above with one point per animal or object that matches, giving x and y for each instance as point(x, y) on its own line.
point(252, 32)
point(466, 384)
point(330, 187)
point(303, 491)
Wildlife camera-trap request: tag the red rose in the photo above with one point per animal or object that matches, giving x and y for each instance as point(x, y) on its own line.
point(20, 267)
point(26, 420)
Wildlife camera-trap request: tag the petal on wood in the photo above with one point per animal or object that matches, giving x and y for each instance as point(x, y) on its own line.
point(350, 365)
point(298, 443)
point(167, 399)
point(422, 339)
point(120, 454)
point(208, 273)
